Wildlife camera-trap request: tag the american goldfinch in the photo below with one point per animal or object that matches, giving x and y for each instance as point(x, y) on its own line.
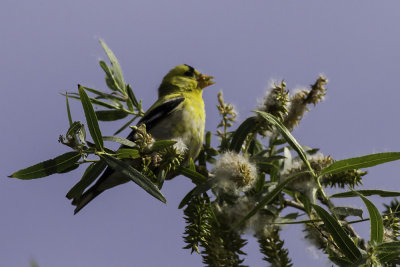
point(178, 114)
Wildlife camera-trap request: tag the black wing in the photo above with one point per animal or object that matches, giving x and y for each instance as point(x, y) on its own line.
point(155, 115)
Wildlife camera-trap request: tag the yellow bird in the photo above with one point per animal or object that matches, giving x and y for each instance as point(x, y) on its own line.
point(178, 114)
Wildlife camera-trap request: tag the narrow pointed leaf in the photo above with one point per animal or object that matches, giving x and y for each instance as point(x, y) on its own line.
point(255, 147)
point(288, 137)
point(366, 193)
point(360, 162)
point(344, 242)
point(71, 168)
point(91, 119)
point(93, 100)
point(343, 262)
point(68, 110)
point(197, 190)
point(208, 139)
point(125, 125)
point(347, 211)
point(186, 198)
point(389, 247)
point(376, 221)
point(73, 129)
point(110, 80)
point(205, 186)
point(260, 182)
point(134, 175)
point(241, 133)
point(127, 153)
point(387, 256)
point(119, 140)
point(196, 177)
point(111, 115)
point(90, 175)
point(268, 198)
point(103, 104)
point(116, 68)
point(132, 96)
point(192, 166)
point(265, 166)
point(161, 144)
point(103, 95)
point(48, 167)
point(82, 134)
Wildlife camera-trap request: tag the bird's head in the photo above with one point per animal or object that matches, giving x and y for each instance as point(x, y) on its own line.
point(184, 78)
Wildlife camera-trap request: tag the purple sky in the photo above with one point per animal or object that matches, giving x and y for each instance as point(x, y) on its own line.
point(48, 47)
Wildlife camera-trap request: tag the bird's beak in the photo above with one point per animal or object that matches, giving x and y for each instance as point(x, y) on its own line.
point(205, 80)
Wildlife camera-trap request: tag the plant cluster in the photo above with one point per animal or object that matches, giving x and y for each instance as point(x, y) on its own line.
point(257, 179)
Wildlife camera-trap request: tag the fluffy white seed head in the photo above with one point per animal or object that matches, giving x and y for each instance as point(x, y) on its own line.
point(180, 146)
point(234, 172)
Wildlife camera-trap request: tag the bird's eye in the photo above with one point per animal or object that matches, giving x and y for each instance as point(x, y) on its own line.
point(190, 72)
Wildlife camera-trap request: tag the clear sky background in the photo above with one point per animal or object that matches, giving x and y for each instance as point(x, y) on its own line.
point(48, 47)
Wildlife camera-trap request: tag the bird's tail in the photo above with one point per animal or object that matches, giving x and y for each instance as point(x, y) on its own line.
point(109, 179)
point(85, 198)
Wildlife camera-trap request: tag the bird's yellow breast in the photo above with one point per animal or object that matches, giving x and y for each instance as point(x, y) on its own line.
point(186, 122)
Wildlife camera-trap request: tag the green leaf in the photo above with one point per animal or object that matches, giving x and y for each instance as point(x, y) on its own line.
point(265, 166)
point(341, 261)
point(305, 200)
point(134, 175)
point(261, 157)
point(347, 211)
point(344, 242)
point(73, 129)
point(68, 109)
point(104, 104)
point(111, 115)
point(268, 198)
point(260, 182)
point(94, 101)
point(273, 175)
point(192, 166)
point(48, 167)
point(387, 256)
point(360, 162)
point(110, 80)
point(197, 190)
point(71, 168)
point(205, 186)
point(366, 193)
point(91, 119)
point(128, 153)
point(376, 221)
point(288, 137)
point(241, 133)
point(161, 178)
point(186, 199)
point(125, 125)
point(90, 175)
point(111, 97)
point(82, 134)
point(116, 68)
point(389, 247)
point(208, 139)
point(196, 177)
point(119, 140)
point(291, 216)
point(296, 222)
point(161, 144)
point(255, 146)
point(132, 96)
